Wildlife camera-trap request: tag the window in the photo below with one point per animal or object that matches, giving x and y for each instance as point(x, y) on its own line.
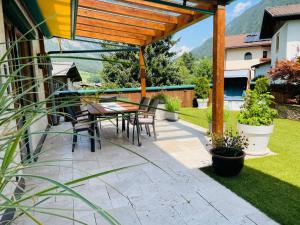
point(248, 56)
point(265, 54)
point(277, 42)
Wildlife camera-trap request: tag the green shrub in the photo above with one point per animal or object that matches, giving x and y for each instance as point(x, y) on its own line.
point(209, 115)
point(161, 97)
point(257, 110)
point(109, 85)
point(202, 87)
point(173, 104)
point(262, 85)
point(231, 144)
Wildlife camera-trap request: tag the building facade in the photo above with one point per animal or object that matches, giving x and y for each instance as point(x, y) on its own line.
point(15, 22)
point(241, 54)
point(282, 25)
point(245, 50)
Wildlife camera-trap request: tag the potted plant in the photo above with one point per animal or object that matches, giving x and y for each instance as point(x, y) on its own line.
point(172, 107)
point(228, 153)
point(256, 120)
point(209, 118)
point(161, 114)
point(202, 92)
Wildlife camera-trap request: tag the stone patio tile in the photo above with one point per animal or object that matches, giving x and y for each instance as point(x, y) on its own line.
point(124, 215)
point(161, 215)
point(170, 189)
point(260, 218)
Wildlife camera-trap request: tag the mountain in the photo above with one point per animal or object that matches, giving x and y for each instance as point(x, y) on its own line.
point(82, 65)
point(248, 22)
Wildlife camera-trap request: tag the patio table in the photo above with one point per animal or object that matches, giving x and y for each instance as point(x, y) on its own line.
point(111, 109)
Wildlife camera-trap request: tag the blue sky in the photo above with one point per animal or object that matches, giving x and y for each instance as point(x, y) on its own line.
point(195, 35)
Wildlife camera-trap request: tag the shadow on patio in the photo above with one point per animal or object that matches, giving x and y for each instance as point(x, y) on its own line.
point(173, 191)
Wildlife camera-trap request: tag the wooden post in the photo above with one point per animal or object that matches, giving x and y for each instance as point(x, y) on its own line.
point(142, 71)
point(218, 70)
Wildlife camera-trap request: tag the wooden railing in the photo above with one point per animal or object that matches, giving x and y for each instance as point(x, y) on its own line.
point(184, 92)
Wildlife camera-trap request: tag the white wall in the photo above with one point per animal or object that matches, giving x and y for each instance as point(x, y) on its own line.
point(41, 124)
point(235, 57)
point(281, 53)
point(8, 190)
point(293, 39)
point(289, 42)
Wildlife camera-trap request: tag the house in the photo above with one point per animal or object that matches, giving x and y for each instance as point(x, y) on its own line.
point(64, 74)
point(261, 69)
point(241, 54)
point(282, 25)
point(15, 22)
point(245, 50)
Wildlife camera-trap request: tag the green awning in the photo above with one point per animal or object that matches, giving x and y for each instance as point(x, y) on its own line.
point(33, 7)
point(16, 16)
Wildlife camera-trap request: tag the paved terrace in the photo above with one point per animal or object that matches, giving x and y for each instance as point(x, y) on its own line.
point(145, 194)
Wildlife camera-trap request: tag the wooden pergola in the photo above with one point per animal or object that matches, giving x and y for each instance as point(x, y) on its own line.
point(139, 23)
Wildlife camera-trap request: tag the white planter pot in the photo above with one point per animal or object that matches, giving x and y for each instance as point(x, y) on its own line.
point(258, 137)
point(202, 103)
point(171, 116)
point(160, 114)
point(210, 127)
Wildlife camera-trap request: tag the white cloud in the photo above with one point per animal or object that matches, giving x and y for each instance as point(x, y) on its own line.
point(180, 50)
point(240, 7)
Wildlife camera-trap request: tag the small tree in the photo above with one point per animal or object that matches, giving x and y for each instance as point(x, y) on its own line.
point(202, 87)
point(262, 85)
point(203, 68)
point(188, 60)
point(287, 70)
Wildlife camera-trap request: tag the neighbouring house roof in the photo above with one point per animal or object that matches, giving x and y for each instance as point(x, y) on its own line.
point(245, 40)
point(236, 73)
point(261, 64)
point(274, 18)
point(67, 69)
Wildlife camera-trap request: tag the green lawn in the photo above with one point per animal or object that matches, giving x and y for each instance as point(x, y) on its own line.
point(271, 183)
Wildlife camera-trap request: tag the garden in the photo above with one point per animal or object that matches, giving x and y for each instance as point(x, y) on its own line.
point(272, 182)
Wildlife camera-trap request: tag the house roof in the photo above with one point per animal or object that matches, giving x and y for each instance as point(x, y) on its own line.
point(262, 63)
point(136, 22)
point(240, 41)
point(67, 69)
point(274, 18)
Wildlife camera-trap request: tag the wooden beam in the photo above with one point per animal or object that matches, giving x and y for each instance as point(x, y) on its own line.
point(185, 21)
point(112, 32)
point(143, 72)
point(92, 14)
point(160, 6)
point(128, 11)
point(218, 70)
point(120, 27)
point(106, 37)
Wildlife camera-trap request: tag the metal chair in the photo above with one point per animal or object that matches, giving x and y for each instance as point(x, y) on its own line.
point(143, 107)
point(80, 123)
point(146, 118)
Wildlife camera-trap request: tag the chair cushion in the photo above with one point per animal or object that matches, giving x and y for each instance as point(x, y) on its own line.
point(147, 120)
